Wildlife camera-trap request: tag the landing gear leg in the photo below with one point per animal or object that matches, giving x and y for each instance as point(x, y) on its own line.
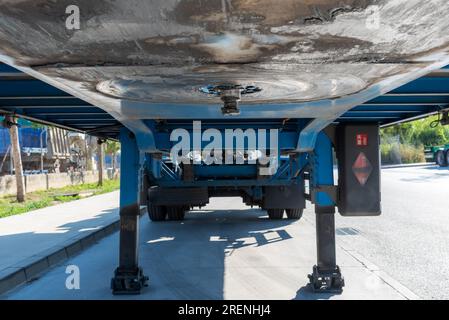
point(326, 276)
point(128, 277)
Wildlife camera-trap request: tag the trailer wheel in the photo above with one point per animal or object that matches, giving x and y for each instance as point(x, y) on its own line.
point(447, 157)
point(176, 213)
point(156, 213)
point(441, 158)
point(275, 214)
point(294, 214)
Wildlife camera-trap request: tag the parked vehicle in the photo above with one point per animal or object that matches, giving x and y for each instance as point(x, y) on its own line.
point(438, 154)
point(43, 149)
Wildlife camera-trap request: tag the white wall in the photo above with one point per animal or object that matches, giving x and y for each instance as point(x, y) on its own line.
point(39, 182)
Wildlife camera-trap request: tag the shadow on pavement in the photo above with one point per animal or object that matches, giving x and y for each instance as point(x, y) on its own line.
point(189, 257)
point(306, 293)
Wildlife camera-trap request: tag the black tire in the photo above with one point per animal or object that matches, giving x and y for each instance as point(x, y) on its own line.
point(447, 157)
point(275, 214)
point(294, 214)
point(175, 213)
point(186, 209)
point(441, 158)
point(156, 213)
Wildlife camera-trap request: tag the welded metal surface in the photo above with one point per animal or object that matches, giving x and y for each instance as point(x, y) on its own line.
point(147, 60)
point(164, 51)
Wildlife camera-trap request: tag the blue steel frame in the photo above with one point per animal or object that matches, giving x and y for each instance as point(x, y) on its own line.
point(322, 170)
point(35, 100)
point(129, 277)
point(243, 175)
point(326, 275)
point(129, 195)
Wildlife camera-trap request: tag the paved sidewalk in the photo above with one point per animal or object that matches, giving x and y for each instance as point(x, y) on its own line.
point(28, 238)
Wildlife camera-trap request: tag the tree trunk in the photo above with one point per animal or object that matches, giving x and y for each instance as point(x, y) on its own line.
point(90, 147)
point(113, 161)
point(100, 163)
point(17, 158)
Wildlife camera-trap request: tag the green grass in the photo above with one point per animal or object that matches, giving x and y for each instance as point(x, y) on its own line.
point(41, 199)
point(396, 153)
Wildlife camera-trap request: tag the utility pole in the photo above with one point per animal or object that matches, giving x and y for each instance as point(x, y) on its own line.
point(86, 155)
point(100, 161)
point(11, 123)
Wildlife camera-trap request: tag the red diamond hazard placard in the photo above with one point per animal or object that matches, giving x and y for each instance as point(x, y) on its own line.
point(362, 168)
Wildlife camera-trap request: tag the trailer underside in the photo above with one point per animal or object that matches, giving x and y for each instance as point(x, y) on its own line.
point(321, 77)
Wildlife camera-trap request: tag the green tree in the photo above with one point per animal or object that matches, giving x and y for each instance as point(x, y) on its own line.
point(420, 132)
point(111, 148)
point(405, 143)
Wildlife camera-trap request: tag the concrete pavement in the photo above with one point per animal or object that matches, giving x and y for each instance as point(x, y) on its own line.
point(409, 165)
point(411, 238)
point(217, 253)
point(226, 251)
point(30, 242)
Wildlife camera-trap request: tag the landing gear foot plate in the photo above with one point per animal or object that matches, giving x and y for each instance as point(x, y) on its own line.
point(126, 282)
point(326, 281)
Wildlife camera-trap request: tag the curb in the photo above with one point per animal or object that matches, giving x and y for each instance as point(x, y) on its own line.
point(412, 165)
point(382, 275)
point(32, 268)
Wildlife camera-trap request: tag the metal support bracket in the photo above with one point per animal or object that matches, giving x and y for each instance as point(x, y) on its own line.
point(144, 134)
point(326, 281)
point(331, 191)
point(128, 277)
point(126, 282)
point(323, 192)
point(445, 118)
point(326, 276)
point(9, 121)
point(331, 133)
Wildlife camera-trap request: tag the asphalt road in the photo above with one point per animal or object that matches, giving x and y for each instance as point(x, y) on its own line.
point(410, 241)
point(229, 251)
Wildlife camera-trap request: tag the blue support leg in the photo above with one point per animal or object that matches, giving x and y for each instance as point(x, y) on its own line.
point(326, 276)
point(129, 278)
